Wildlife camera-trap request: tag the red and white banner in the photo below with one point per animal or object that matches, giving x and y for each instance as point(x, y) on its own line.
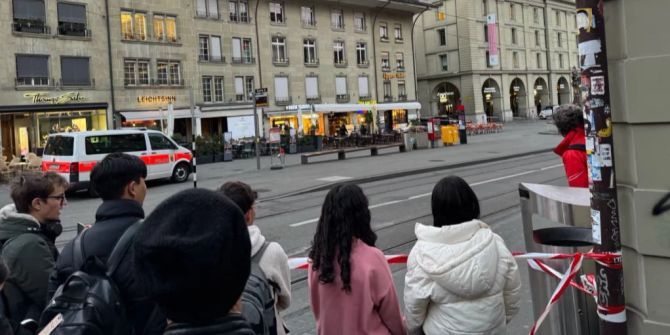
point(492, 36)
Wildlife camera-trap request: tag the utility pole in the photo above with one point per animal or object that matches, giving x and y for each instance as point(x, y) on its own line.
point(193, 126)
point(600, 151)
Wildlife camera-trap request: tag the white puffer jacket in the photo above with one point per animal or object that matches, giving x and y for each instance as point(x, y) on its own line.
point(461, 279)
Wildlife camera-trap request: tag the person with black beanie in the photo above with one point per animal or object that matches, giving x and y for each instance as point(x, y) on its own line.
point(192, 256)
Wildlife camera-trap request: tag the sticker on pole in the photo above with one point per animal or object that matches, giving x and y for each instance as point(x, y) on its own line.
point(595, 226)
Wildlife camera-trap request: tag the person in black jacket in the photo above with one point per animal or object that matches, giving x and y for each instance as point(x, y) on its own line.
point(193, 257)
point(119, 180)
point(5, 326)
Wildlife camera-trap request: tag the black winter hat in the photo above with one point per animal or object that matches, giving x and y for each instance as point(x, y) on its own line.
point(192, 255)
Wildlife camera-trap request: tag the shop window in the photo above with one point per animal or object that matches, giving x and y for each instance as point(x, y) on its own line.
point(29, 17)
point(309, 51)
point(338, 53)
point(383, 32)
point(242, 51)
point(133, 25)
point(106, 144)
point(279, 50)
point(359, 22)
point(361, 53)
point(277, 12)
point(160, 142)
point(75, 71)
point(165, 28)
point(32, 70)
point(72, 20)
point(239, 11)
point(337, 19)
point(307, 17)
point(207, 9)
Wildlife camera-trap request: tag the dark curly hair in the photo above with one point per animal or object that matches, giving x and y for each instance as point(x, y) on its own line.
point(567, 118)
point(344, 215)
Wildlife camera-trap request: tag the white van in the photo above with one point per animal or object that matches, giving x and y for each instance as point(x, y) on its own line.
point(73, 155)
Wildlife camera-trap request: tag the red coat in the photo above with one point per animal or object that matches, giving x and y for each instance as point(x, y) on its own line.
point(572, 150)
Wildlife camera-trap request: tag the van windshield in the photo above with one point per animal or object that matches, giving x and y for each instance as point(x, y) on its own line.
point(59, 146)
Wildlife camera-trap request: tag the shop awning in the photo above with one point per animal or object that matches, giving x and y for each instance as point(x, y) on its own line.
point(156, 115)
point(226, 113)
point(398, 105)
point(359, 107)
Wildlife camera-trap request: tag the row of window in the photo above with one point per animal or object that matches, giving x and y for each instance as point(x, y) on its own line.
point(29, 16)
point(513, 9)
point(538, 60)
point(513, 33)
point(209, 49)
point(134, 26)
point(139, 72)
point(237, 9)
point(212, 88)
point(33, 70)
point(281, 88)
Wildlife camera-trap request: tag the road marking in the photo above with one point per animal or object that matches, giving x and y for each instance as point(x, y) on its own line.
point(418, 196)
point(334, 178)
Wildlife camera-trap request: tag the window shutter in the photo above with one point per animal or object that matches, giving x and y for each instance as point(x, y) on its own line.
point(340, 85)
point(32, 66)
point(312, 87)
point(239, 86)
point(281, 87)
point(29, 9)
point(237, 48)
point(71, 13)
point(363, 87)
point(75, 71)
point(215, 42)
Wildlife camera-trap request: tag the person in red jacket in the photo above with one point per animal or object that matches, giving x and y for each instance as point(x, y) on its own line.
point(569, 119)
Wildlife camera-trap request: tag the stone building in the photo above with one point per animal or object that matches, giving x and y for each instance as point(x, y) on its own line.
point(536, 47)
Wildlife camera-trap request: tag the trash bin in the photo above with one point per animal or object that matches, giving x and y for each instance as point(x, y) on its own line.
point(556, 220)
point(447, 135)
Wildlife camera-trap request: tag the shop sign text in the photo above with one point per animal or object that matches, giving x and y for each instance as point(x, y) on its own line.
point(399, 75)
point(156, 98)
point(42, 98)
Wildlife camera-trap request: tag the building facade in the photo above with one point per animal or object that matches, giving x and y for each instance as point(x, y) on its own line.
point(535, 44)
point(54, 71)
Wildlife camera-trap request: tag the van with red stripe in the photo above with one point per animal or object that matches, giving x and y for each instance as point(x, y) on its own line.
point(73, 155)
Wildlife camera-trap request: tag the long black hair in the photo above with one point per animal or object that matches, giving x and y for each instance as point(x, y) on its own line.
point(453, 202)
point(344, 215)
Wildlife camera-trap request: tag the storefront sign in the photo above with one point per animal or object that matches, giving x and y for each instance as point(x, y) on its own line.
point(156, 98)
point(443, 97)
point(298, 107)
point(367, 102)
point(489, 89)
point(561, 86)
point(539, 88)
point(516, 88)
point(41, 98)
point(399, 75)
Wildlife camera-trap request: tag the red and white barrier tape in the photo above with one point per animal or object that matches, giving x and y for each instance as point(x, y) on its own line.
point(535, 261)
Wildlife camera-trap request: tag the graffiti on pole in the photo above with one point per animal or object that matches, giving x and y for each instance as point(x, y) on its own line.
point(595, 99)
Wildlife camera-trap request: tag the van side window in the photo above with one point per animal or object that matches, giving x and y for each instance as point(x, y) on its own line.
point(59, 146)
point(160, 142)
point(105, 144)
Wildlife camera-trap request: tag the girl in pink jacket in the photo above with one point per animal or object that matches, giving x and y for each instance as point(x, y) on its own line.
point(350, 284)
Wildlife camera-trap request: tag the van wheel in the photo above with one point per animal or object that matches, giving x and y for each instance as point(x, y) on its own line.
point(181, 172)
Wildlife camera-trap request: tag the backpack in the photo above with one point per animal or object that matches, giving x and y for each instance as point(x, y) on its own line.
point(258, 305)
point(89, 301)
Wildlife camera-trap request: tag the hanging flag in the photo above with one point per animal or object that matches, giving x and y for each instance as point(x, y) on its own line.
point(492, 28)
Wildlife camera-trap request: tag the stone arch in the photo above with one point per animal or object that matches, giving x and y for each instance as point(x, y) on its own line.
point(563, 88)
point(541, 92)
point(517, 97)
point(492, 99)
point(445, 97)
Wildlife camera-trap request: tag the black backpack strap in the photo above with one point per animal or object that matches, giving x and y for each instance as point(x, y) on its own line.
point(257, 257)
point(78, 258)
point(580, 147)
point(121, 248)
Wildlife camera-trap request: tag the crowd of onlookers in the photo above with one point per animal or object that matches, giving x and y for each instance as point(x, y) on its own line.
point(197, 264)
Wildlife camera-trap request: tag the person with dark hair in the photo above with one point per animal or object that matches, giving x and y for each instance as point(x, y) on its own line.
point(192, 256)
point(28, 230)
point(5, 325)
point(569, 120)
point(350, 284)
point(272, 260)
point(119, 180)
point(461, 278)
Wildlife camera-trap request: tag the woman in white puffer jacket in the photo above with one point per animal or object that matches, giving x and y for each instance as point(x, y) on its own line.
point(461, 278)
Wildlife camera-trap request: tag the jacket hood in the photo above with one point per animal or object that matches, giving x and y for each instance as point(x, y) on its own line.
point(575, 136)
point(111, 209)
point(13, 223)
point(462, 258)
point(257, 239)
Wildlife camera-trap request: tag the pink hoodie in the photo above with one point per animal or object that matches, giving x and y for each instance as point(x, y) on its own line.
point(372, 305)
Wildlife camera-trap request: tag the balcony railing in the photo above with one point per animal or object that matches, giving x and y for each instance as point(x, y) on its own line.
point(384, 38)
point(205, 15)
point(398, 39)
point(34, 82)
point(211, 58)
point(243, 60)
point(402, 97)
point(365, 63)
point(313, 99)
point(400, 68)
point(337, 26)
point(342, 98)
point(134, 37)
point(340, 62)
point(74, 30)
point(365, 97)
point(30, 27)
point(388, 98)
point(280, 61)
point(312, 62)
point(283, 101)
point(90, 83)
point(308, 23)
point(240, 18)
point(386, 68)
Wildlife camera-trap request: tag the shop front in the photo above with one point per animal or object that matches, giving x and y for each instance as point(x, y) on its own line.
point(25, 128)
point(298, 117)
point(397, 115)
